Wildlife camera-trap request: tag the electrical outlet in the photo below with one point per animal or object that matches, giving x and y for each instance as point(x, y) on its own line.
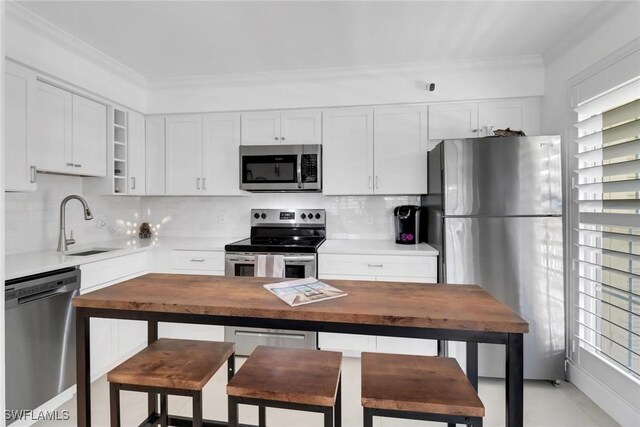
point(370, 218)
point(222, 217)
point(100, 223)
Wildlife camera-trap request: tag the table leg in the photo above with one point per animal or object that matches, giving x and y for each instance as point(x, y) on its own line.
point(515, 381)
point(472, 364)
point(83, 368)
point(152, 335)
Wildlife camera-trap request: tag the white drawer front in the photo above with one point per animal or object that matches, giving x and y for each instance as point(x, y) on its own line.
point(113, 269)
point(197, 260)
point(378, 265)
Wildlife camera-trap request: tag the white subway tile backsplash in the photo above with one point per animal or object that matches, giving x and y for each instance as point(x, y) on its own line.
point(32, 219)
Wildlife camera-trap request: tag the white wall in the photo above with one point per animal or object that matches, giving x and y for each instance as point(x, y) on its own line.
point(32, 219)
point(348, 217)
point(37, 43)
point(491, 78)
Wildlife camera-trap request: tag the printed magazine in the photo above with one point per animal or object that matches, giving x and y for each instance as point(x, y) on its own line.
point(304, 291)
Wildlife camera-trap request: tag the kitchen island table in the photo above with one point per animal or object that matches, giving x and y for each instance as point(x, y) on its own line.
point(414, 310)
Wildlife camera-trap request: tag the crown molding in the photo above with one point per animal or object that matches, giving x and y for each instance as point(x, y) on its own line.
point(320, 75)
point(24, 17)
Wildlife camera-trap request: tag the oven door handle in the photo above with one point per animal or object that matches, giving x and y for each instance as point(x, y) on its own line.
point(299, 170)
point(252, 259)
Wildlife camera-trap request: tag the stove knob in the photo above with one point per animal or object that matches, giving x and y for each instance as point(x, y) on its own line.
point(303, 216)
point(310, 215)
point(317, 216)
point(263, 216)
point(256, 215)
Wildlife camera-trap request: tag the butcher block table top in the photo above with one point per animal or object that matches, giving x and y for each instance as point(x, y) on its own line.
point(438, 306)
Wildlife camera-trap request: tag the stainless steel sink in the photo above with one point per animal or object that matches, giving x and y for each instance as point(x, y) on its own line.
point(90, 252)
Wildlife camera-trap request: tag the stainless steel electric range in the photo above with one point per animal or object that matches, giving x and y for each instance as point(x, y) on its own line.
point(294, 233)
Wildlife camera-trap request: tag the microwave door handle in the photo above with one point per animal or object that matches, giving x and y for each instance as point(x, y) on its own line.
point(299, 170)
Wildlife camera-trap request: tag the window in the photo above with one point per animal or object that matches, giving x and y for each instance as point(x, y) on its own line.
point(606, 230)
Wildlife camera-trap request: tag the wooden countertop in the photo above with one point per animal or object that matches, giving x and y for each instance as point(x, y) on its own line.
point(456, 307)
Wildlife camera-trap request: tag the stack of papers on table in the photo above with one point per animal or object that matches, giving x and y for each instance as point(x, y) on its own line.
point(304, 291)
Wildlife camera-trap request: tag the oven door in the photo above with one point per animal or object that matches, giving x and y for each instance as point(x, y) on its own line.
point(247, 339)
point(296, 266)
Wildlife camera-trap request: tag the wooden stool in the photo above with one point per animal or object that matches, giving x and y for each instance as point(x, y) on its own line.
point(418, 387)
point(304, 380)
point(170, 366)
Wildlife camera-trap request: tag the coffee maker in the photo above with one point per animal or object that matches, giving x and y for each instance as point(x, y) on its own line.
point(407, 224)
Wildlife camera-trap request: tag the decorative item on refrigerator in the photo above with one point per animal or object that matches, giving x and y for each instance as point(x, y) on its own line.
point(304, 291)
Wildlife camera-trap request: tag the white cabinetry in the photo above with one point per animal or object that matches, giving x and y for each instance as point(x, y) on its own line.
point(401, 147)
point(377, 268)
point(113, 340)
point(479, 119)
point(19, 168)
point(347, 151)
point(70, 132)
point(375, 151)
point(184, 155)
point(136, 154)
point(287, 127)
point(155, 154)
point(202, 154)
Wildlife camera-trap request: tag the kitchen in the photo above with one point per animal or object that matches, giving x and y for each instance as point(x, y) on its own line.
point(180, 125)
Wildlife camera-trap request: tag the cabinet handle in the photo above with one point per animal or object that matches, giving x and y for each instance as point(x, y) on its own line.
point(32, 171)
point(77, 165)
point(370, 181)
point(197, 183)
point(70, 164)
point(204, 183)
point(197, 259)
point(133, 182)
point(475, 130)
point(377, 186)
point(376, 265)
point(275, 137)
point(282, 138)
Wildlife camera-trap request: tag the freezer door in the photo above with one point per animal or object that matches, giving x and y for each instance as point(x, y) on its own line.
point(502, 176)
point(518, 260)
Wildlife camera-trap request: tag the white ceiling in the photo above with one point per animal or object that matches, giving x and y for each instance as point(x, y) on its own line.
point(170, 39)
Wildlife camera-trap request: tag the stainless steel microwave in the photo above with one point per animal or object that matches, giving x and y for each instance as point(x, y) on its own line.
point(281, 167)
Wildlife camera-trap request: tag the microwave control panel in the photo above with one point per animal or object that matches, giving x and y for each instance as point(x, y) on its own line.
point(309, 168)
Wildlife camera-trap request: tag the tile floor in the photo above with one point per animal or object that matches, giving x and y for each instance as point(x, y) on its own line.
point(545, 406)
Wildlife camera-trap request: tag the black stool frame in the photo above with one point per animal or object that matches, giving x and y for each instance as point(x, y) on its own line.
point(163, 418)
point(332, 415)
point(451, 420)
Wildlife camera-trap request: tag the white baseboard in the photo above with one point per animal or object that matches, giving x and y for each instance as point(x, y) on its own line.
point(612, 403)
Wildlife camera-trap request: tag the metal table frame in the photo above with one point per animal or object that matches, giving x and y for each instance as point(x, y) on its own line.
point(512, 341)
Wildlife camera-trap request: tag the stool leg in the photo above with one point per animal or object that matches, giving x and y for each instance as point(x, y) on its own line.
point(164, 410)
point(367, 417)
point(233, 411)
point(114, 395)
point(337, 413)
point(262, 416)
point(451, 424)
point(328, 417)
point(197, 409)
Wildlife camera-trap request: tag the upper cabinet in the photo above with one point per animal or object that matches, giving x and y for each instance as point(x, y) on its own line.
point(70, 132)
point(155, 155)
point(375, 151)
point(202, 154)
point(136, 150)
point(19, 166)
point(287, 127)
point(480, 119)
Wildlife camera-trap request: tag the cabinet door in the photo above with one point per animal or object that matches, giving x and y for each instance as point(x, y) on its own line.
point(452, 121)
point(136, 157)
point(89, 137)
point(19, 170)
point(301, 127)
point(515, 114)
point(184, 155)
point(155, 153)
point(52, 137)
point(221, 154)
point(401, 146)
point(347, 151)
point(261, 128)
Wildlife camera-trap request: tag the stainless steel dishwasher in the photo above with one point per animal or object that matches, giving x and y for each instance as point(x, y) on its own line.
point(39, 337)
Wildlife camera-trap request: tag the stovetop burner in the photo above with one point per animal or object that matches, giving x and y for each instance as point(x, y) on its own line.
point(283, 231)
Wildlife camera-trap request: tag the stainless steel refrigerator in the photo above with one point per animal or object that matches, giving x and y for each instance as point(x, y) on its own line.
point(494, 211)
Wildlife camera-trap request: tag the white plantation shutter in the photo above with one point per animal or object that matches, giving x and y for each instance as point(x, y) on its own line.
point(607, 235)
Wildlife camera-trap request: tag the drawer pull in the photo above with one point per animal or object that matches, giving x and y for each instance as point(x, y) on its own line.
point(376, 265)
point(197, 259)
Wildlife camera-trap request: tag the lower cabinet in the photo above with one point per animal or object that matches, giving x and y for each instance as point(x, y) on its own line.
point(377, 268)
